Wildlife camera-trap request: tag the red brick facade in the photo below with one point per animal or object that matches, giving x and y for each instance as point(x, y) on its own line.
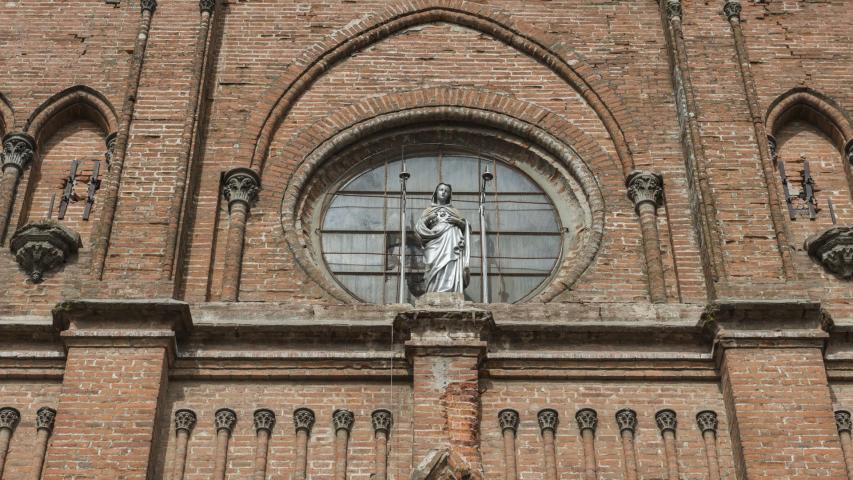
point(189, 328)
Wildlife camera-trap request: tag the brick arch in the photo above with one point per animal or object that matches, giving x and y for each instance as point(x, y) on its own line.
point(815, 108)
point(7, 114)
point(286, 91)
point(580, 156)
point(79, 101)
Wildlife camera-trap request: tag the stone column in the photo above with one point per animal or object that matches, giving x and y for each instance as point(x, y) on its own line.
point(445, 350)
point(667, 422)
point(706, 420)
point(508, 420)
point(382, 421)
point(115, 379)
point(224, 419)
point(587, 420)
point(759, 347)
point(303, 421)
point(9, 418)
point(45, 417)
point(18, 152)
point(185, 421)
point(844, 426)
point(627, 421)
point(343, 421)
point(645, 189)
point(264, 422)
point(548, 421)
point(732, 11)
point(240, 189)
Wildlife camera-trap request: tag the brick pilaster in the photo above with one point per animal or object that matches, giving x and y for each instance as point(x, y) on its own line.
point(115, 378)
point(775, 386)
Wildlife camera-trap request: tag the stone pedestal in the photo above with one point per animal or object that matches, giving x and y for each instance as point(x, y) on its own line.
point(445, 349)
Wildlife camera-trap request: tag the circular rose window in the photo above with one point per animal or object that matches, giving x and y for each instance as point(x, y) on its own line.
point(360, 236)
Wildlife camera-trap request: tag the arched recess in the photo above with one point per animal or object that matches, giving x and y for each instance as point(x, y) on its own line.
point(77, 124)
point(578, 157)
point(278, 100)
point(807, 126)
point(7, 115)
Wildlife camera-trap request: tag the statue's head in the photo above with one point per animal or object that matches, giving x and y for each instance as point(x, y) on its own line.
point(443, 194)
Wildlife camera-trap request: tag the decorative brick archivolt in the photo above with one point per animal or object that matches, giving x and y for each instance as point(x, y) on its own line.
point(449, 106)
point(550, 51)
point(815, 108)
point(79, 101)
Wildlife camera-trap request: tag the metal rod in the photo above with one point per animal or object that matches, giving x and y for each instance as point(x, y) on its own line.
point(484, 258)
point(791, 212)
point(832, 211)
point(404, 175)
point(808, 188)
point(50, 208)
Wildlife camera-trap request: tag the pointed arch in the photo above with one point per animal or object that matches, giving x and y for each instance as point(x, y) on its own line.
point(286, 91)
point(803, 103)
point(7, 115)
point(78, 101)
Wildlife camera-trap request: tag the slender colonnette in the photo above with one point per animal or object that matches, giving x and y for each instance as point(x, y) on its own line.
point(626, 419)
point(587, 420)
point(667, 422)
point(645, 189)
point(45, 417)
point(382, 422)
point(264, 423)
point(224, 420)
point(9, 418)
point(185, 421)
point(706, 420)
point(240, 189)
point(18, 152)
point(548, 420)
point(508, 420)
point(303, 421)
point(343, 421)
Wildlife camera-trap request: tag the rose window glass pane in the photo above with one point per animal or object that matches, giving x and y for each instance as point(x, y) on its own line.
point(360, 233)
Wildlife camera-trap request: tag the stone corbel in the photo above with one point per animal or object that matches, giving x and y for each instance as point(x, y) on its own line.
point(44, 246)
point(833, 250)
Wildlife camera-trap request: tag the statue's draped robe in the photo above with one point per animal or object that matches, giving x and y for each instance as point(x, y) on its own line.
point(444, 259)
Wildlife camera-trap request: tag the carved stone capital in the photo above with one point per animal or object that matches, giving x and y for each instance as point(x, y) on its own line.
point(9, 417)
point(848, 151)
point(672, 8)
point(224, 419)
point(343, 420)
point(111, 148)
point(185, 420)
point(508, 420)
point(587, 419)
point(627, 420)
point(382, 421)
point(706, 420)
point(644, 187)
point(666, 420)
point(833, 249)
point(18, 151)
point(45, 417)
point(843, 421)
point(43, 246)
point(207, 5)
point(732, 9)
point(303, 419)
point(264, 419)
point(240, 185)
point(149, 5)
point(548, 419)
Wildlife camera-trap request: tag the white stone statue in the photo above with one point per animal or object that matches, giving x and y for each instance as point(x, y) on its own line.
point(445, 236)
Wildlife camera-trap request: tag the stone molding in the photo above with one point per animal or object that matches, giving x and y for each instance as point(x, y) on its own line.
point(732, 9)
point(343, 420)
point(644, 187)
point(706, 420)
point(185, 420)
point(43, 246)
point(508, 420)
point(666, 419)
point(673, 9)
point(264, 419)
point(9, 417)
point(626, 419)
point(548, 419)
point(224, 419)
point(382, 420)
point(45, 417)
point(303, 419)
point(587, 419)
point(833, 250)
point(18, 151)
point(240, 185)
point(843, 421)
point(111, 147)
